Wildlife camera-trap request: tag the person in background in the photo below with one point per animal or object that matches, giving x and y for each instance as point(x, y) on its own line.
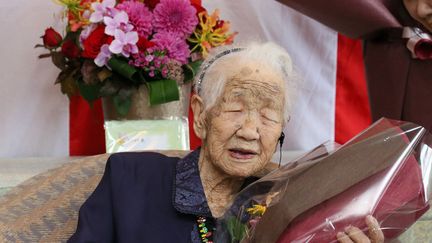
point(397, 51)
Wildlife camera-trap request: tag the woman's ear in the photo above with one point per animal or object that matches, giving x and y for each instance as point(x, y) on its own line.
point(197, 106)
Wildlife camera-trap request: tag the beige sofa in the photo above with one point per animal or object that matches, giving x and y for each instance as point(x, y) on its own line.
point(45, 207)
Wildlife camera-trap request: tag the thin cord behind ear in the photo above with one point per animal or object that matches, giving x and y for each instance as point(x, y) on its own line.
point(281, 140)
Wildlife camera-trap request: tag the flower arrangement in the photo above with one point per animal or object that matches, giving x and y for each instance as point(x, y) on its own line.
point(242, 225)
point(112, 47)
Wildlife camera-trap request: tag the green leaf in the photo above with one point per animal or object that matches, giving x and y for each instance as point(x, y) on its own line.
point(162, 91)
point(89, 92)
point(236, 229)
point(69, 86)
point(123, 68)
point(67, 80)
point(59, 60)
point(190, 70)
point(123, 101)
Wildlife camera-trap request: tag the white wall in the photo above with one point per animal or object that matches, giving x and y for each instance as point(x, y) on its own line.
point(33, 112)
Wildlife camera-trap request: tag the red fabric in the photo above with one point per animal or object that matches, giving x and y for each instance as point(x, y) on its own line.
point(86, 132)
point(352, 105)
point(396, 200)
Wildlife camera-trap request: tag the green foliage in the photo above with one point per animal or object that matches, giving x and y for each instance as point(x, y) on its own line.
point(162, 91)
point(89, 92)
point(191, 69)
point(122, 67)
point(236, 229)
point(67, 80)
point(59, 60)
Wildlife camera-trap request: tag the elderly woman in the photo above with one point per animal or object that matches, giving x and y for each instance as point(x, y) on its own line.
point(241, 104)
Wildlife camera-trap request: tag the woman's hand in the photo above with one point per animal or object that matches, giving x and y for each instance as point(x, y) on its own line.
point(355, 235)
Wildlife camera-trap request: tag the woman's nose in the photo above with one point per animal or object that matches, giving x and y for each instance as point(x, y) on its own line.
point(424, 8)
point(250, 128)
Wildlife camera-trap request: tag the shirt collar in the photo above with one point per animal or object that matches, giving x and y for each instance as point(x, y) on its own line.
point(188, 193)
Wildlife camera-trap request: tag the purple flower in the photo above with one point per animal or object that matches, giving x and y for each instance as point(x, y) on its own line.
point(103, 56)
point(174, 44)
point(120, 21)
point(139, 16)
point(124, 43)
point(101, 9)
point(175, 16)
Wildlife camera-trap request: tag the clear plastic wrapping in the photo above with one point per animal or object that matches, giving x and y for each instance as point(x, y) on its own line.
point(385, 172)
point(133, 135)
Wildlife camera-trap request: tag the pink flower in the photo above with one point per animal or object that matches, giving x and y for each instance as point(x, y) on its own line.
point(103, 56)
point(101, 9)
point(120, 21)
point(139, 16)
point(124, 43)
point(174, 44)
point(175, 16)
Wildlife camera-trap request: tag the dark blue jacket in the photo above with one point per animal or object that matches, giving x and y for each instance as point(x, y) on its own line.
point(144, 197)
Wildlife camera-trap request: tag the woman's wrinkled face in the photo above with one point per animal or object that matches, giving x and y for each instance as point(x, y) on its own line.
point(244, 126)
point(420, 10)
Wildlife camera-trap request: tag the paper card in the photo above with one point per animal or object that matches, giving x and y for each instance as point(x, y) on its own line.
point(134, 135)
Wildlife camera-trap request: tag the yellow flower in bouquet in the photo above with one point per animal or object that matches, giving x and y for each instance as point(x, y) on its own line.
point(211, 32)
point(257, 210)
point(77, 12)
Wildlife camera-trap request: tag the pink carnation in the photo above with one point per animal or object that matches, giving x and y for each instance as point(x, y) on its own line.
point(175, 45)
point(175, 16)
point(139, 16)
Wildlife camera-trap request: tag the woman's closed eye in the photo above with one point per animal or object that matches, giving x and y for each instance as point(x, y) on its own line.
point(270, 115)
point(234, 110)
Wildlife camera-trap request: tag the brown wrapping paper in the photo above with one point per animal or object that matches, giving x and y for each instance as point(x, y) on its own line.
point(351, 17)
point(331, 176)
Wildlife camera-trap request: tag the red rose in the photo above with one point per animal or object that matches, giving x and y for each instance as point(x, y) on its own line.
point(94, 42)
point(51, 38)
point(70, 49)
point(143, 44)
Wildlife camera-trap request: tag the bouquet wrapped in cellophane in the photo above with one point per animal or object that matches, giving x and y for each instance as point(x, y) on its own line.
point(385, 171)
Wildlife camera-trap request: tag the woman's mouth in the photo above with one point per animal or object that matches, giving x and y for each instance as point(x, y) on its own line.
point(242, 153)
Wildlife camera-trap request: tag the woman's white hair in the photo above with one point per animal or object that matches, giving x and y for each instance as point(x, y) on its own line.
point(216, 70)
